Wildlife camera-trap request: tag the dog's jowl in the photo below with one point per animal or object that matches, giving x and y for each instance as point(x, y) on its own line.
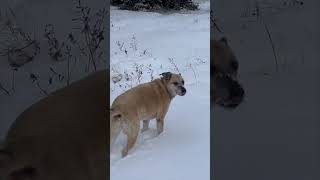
point(143, 103)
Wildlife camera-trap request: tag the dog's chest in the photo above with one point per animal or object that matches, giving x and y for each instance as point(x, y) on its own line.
point(146, 114)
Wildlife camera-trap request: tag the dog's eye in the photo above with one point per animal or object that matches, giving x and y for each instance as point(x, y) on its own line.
point(175, 83)
point(183, 82)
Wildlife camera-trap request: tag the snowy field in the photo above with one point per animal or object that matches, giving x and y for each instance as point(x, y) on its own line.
point(275, 133)
point(143, 45)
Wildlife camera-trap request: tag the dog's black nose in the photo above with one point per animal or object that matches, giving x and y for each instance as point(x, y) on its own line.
point(237, 93)
point(183, 91)
point(236, 89)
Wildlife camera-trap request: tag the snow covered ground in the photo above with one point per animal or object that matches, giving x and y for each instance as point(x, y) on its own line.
point(153, 43)
point(275, 133)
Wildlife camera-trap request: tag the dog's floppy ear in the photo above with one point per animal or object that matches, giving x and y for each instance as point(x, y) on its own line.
point(166, 75)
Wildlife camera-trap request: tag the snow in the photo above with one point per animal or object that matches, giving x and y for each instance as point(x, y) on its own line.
point(275, 132)
point(149, 40)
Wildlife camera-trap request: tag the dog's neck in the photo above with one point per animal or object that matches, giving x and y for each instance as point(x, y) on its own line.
point(163, 82)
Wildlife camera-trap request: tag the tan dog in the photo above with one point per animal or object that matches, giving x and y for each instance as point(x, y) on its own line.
point(143, 103)
point(226, 90)
point(63, 136)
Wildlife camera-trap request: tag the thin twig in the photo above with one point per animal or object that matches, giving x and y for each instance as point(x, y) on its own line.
point(13, 79)
point(174, 64)
point(194, 73)
point(259, 16)
point(41, 89)
point(272, 45)
point(214, 23)
point(4, 89)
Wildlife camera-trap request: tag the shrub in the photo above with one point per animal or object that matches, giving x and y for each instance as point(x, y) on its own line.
point(154, 5)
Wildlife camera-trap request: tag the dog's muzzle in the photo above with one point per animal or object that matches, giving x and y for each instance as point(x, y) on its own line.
point(236, 95)
point(230, 93)
point(183, 91)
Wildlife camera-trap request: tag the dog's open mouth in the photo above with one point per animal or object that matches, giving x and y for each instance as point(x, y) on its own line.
point(228, 105)
point(231, 103)
point(182, 91)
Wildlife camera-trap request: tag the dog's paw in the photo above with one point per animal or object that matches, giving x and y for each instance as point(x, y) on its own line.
point(124, 153)
point(144, 130)
point(159, 131)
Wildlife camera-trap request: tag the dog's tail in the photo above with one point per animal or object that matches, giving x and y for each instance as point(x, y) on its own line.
point(115, 124)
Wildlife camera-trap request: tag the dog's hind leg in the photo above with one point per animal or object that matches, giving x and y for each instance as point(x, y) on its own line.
point(132, 132)
point(160, 124)
point(160, 120)
point(145, 126)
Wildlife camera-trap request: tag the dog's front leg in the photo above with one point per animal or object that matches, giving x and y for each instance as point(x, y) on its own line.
point(145, 126)
point(160, 119)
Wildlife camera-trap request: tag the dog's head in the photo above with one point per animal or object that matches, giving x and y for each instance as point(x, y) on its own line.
point(226, 89)
point(174, 83)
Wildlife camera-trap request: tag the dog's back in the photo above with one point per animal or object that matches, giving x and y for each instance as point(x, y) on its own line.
point(148, 96)
point(62, 136)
